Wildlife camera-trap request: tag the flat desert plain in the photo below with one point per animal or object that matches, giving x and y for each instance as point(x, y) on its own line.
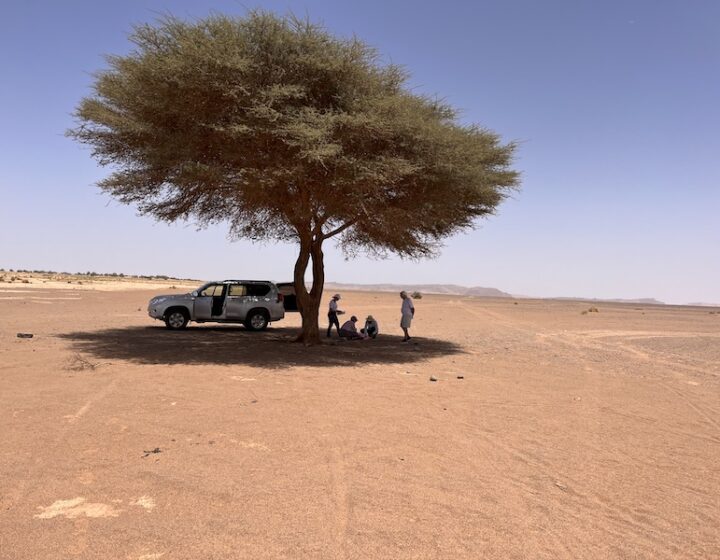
point(548, 434)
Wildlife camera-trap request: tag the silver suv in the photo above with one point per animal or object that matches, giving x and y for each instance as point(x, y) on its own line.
point(250, 302)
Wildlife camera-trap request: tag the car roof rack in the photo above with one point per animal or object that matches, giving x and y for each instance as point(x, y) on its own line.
point(249, 281)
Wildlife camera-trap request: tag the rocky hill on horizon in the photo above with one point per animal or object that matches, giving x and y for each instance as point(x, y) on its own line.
point(447, 289)
point(476, 291)
point(646, 301)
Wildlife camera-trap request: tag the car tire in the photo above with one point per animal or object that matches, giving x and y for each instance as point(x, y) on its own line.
point(257, 320)
point(176, 319)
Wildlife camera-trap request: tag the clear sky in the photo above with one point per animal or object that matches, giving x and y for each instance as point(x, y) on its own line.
point(615, 103)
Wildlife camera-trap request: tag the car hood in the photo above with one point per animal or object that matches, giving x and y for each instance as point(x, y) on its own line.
point(174, 297)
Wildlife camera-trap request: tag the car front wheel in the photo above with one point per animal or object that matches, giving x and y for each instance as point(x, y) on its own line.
point(176, 319)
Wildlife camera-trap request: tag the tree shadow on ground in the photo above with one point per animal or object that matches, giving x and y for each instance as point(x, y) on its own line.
point(230, 345)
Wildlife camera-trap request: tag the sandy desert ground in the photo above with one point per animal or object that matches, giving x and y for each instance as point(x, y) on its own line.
point(569, 435)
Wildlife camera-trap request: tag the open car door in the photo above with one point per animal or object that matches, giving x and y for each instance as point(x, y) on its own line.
point(287, 289)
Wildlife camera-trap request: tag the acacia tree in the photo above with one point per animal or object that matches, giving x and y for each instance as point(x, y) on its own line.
point(275, 126)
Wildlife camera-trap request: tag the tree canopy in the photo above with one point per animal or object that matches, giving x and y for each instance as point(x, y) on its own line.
point(286, 132)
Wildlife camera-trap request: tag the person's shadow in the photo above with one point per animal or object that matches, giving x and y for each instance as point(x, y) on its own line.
point(228, 345)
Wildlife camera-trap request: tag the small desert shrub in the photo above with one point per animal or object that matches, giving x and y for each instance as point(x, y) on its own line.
point(593, 310)
point(416, 295)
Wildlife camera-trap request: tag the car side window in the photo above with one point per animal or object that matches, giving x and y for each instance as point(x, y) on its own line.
point(212, 290)
point(257, 290)
point(237, 290)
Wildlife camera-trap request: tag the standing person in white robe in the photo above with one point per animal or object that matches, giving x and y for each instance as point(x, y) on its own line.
point(407, 313)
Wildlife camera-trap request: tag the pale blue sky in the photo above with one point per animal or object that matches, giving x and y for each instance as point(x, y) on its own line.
point(615, 104)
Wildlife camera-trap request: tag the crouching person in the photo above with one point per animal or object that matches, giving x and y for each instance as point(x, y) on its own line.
point(349, 330)
point(371, 328)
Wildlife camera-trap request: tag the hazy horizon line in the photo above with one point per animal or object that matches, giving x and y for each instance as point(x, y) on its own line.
point(645, 300)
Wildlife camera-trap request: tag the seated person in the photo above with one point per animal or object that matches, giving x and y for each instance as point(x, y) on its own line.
point(371, 327)
point(349, 330)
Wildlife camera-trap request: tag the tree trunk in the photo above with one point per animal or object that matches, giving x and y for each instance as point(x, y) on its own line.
point(309, 302)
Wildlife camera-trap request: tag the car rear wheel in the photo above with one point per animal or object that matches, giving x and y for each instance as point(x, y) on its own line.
point(257, 320)
point(176, 319)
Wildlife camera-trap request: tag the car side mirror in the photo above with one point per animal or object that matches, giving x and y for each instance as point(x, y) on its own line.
point(194, 294)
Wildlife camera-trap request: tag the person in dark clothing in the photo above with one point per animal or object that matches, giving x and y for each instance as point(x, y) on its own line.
point(333, 313)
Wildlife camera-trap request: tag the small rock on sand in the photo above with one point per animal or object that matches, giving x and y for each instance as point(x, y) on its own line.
point(433, 378)
point(25, 335)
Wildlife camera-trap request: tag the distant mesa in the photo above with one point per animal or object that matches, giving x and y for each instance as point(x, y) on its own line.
point(644, 301)
point(476, 291)
point(649, 301)
point(446, 289)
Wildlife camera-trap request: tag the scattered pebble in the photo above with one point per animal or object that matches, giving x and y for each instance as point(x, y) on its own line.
point(461, 377)
point(433, 378)
point(156, 450)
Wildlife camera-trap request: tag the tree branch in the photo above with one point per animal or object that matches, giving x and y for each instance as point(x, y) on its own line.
point(339, 229)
